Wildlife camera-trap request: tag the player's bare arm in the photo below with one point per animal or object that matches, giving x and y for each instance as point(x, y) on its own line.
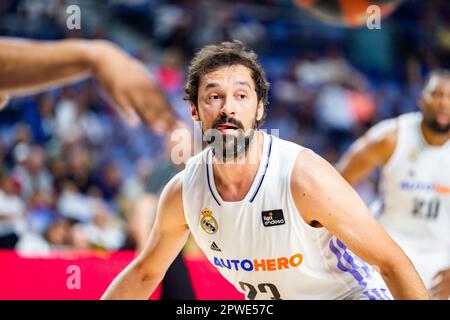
point(371, 150)
point(325, 199)
point(168, 236)
point(28, 66)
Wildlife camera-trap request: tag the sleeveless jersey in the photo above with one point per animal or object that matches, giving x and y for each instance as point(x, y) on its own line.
point(415, 193)
point(262, 245)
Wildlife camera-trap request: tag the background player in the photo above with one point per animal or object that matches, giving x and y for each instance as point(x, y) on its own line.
point(272, 222)
point(414, 153)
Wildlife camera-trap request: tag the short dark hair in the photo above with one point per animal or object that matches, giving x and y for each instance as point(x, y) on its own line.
point(213, 57)
point(440, 73)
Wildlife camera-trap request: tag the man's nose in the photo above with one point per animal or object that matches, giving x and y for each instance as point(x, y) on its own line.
point(228, 108)
point(447, 99)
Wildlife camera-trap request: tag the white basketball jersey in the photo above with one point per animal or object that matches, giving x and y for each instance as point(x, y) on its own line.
point(415, 188)
point(262, 245)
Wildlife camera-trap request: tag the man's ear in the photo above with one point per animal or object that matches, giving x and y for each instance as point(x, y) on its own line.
point(260, 111)
point(194, 112)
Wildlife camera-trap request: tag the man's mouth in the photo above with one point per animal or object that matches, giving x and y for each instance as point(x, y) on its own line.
point(442, 118)
point(227, 127)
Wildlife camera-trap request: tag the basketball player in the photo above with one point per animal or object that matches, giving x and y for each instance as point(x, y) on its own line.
point(414, 152)
point(275, 219)
point(28, 66)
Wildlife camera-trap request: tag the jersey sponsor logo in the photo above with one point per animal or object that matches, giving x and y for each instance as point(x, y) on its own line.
point(208, 222)
point(274, 264)
point(215, 247)
point(423, 186)
point(272, 218)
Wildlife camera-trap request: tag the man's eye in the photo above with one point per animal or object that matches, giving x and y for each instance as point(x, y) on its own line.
point(214, 97)
point(242, 95)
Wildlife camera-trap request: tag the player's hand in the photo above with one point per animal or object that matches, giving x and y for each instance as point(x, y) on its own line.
point(3, 100)
point(128, 83)
point(441, 290)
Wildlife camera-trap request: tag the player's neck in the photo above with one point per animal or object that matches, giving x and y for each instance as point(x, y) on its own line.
point(234, 180)
point(433, 138)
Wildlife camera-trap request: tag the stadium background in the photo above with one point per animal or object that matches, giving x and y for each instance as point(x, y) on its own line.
point(73, 168)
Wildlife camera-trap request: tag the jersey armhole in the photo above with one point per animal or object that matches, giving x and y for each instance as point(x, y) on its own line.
point(315, 233)
point(396, 153)
point(298, 215)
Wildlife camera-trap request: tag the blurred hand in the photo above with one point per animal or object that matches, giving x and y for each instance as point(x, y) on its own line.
point(441, 290)
point(3, 100)
point(128, 83)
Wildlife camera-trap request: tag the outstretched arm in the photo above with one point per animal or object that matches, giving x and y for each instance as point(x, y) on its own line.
point(323, 196)
point(368, 152)
point(28, 66)
point(168, 236)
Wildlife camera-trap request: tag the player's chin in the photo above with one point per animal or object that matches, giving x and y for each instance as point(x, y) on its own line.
point(440, 127)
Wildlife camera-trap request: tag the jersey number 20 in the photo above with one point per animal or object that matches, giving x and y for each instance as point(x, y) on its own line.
point(426, 209)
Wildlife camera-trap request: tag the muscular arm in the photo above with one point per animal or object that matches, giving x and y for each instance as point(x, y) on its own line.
point(28, 66)
point(167, 238)
point(368, 152)
point(323, 196)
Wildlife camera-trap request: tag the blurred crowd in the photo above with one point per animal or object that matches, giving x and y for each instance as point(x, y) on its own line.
point(71, 169)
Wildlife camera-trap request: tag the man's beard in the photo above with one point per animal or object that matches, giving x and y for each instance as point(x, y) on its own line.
point(434, 126)
point(228, 147)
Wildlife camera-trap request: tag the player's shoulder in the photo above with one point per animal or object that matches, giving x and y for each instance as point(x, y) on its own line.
point(174, 188)
point(171, 200)
point(194, 170)
point(410, 117)
point(196, 161)
point(284, 148)
point(311, 172)
point(382, 137)
point(391, 125)
point(384, 131)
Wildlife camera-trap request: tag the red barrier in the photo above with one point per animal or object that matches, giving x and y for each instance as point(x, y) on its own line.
point(70, 275)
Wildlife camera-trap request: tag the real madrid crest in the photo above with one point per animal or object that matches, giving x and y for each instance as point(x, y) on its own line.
point(208, 222)
point(413, 155)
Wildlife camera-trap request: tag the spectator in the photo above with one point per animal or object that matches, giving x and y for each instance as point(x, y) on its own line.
point(32, 175)
point(12, 213)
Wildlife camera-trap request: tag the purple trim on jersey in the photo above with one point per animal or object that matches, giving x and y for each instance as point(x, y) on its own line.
point(381, 210)
point(385, 294)
point(368, 295)
point(375, 291)
point(351, 260)
point(373, 294)
point(207, 176)
point(342, 267)
point(265, 170)
point(377, 295)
